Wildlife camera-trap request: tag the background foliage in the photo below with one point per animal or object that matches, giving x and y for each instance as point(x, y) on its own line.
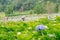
point(39, 6)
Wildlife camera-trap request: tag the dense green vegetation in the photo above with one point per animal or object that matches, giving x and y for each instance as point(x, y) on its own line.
point(38, 6)
point(27, 30)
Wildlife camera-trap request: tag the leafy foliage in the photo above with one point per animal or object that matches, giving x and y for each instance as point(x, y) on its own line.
point(9, 10)
point(27, 4)
point(27, 30)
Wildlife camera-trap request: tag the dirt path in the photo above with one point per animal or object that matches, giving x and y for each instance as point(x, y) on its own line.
point(30, 17)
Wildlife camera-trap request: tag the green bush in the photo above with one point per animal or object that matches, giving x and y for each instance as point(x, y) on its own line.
point(27, 30)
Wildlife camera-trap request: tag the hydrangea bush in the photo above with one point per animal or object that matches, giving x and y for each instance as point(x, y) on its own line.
point(34, 30)
point(41, 28)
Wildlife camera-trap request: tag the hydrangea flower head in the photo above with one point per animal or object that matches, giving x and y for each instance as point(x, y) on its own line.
point(41, 27)
point(51, 35)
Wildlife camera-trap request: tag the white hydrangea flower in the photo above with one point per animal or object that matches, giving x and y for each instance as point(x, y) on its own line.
point(51, 35)
point(18, 33)
point(46, 27)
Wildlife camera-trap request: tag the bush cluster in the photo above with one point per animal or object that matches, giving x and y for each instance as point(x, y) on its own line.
point(27, 30)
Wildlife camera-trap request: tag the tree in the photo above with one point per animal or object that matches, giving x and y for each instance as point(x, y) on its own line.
point(0, 8)
point(56, 2)
point(56, 10)
point(40, 8)
point(9, 10)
